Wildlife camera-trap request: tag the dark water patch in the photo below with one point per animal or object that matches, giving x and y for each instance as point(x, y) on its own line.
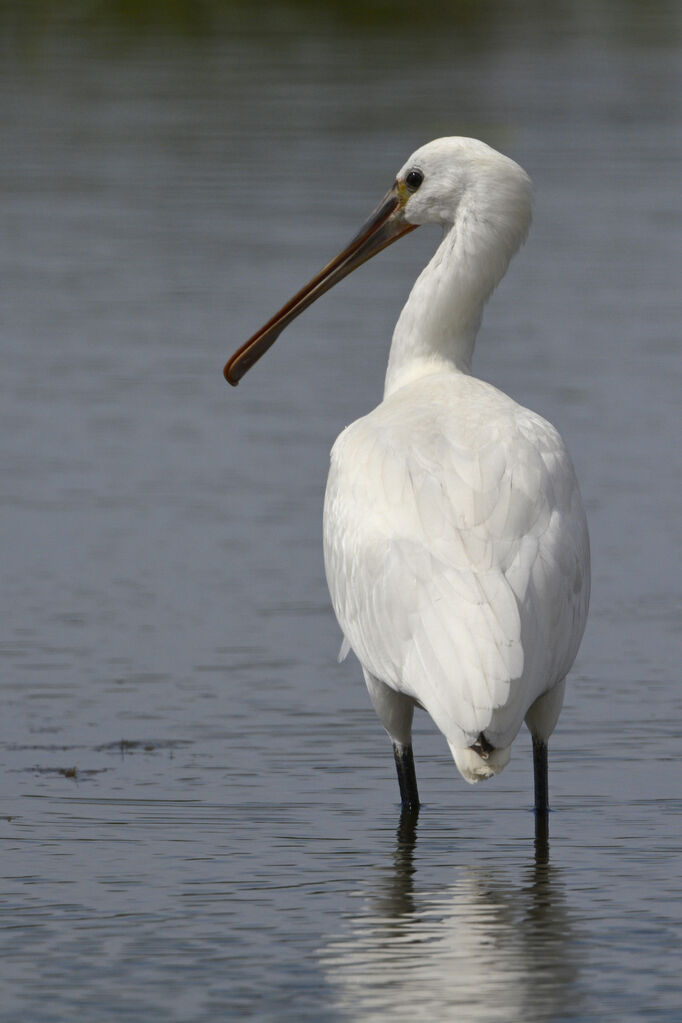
point(128, 746)
point(73, 773)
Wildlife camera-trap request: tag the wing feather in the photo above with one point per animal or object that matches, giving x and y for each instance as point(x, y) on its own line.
point(456, 553)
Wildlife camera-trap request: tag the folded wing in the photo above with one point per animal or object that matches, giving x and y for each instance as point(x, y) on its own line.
point(456, 554)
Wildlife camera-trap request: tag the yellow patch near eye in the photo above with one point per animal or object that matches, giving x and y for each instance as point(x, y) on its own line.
point(403, 192)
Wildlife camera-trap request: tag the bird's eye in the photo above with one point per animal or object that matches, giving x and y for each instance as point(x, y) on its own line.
point(414, 180)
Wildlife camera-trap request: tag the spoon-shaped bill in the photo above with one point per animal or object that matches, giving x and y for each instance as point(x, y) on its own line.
point(386, 224)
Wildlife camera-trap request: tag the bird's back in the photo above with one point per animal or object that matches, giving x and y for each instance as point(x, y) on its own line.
point(457, 554)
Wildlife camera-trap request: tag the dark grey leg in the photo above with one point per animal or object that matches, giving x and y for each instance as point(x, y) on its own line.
point(541, 801)
point(407, 779)
point(540, 774)
point(541, 838)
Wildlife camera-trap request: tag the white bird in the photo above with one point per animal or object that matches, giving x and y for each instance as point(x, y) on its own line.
point(455, 540)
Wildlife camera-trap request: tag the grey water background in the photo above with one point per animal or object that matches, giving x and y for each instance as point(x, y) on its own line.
point(198, 812)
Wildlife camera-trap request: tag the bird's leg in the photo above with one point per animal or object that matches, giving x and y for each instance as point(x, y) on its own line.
point(541, 801)
point(541, 838)
point(395, 711)
point(540, 775)
point(407, 779)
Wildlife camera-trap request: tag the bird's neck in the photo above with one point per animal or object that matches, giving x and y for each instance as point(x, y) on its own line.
point(437, 329)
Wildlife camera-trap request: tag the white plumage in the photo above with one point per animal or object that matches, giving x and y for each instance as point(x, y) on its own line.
point(455, 540)
point(456, 554)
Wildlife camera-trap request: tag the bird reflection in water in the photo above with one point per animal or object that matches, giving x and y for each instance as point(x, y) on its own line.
point(486, 947)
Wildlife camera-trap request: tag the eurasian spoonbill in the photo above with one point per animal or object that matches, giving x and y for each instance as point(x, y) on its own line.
point(455, 540)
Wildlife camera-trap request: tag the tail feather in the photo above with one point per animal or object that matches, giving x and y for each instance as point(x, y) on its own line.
point(477, 766)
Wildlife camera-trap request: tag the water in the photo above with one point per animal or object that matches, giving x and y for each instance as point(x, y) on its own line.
point(198, 811)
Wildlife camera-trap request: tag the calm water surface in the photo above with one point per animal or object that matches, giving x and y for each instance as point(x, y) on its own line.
point(198, 811)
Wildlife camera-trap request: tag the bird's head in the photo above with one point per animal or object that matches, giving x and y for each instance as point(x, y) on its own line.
point(458, 180)
point(451, 181)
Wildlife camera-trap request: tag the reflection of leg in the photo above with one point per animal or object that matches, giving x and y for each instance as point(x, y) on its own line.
point(540, 774)
point(407, 779)
point(406, 836)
